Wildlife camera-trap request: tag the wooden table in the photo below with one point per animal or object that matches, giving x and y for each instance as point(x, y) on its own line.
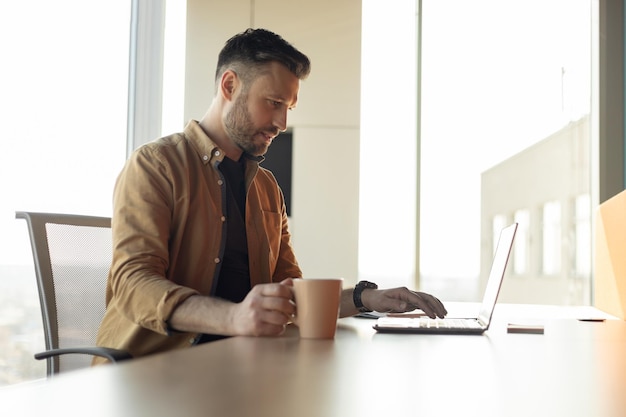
point(575, 368)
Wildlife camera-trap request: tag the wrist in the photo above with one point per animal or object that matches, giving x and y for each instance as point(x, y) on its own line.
point(357, 295)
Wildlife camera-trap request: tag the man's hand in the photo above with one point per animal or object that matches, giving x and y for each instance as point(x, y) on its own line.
point(400, 300)
point(265, 311)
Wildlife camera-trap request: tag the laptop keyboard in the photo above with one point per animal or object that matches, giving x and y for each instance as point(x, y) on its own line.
point(426, 323)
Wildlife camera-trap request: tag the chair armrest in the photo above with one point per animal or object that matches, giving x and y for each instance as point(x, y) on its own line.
point(114, 355)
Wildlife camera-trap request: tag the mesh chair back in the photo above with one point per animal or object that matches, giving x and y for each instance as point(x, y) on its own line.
point(72, 258)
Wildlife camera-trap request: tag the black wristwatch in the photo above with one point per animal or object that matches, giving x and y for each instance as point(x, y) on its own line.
point(356, 295)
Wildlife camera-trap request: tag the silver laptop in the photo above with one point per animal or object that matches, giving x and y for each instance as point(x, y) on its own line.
point(476, 325)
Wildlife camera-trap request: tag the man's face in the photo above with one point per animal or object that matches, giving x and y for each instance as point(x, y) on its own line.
point(260, 113)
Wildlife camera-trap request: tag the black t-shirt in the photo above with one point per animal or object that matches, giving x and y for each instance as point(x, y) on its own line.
point(234, 278)
point(233, 282)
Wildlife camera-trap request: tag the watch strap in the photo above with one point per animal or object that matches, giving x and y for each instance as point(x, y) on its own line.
point(356, 295)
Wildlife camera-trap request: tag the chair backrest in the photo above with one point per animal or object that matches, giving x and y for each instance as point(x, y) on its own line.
point(72, 255)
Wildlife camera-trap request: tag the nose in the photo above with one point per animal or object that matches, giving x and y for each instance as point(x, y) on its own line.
point(280, 120)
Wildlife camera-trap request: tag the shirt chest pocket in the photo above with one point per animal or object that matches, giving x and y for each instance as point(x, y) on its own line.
point(272, 222)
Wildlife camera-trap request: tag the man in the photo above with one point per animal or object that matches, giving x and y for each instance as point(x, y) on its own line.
point(201, 245)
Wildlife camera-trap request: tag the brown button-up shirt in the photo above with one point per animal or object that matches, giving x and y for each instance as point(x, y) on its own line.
point(169, 224)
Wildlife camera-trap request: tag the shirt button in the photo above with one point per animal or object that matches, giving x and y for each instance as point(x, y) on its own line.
point(205, 157)
point(220, 182)
point(223, 218)
point(216, 260)
point(217, 153)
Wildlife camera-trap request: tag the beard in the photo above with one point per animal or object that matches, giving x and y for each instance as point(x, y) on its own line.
point(239, 127)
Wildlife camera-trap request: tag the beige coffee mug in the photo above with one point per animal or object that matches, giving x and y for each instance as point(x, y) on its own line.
point(317, 306)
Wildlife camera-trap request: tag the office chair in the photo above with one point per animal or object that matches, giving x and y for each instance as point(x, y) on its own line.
point(72, 255)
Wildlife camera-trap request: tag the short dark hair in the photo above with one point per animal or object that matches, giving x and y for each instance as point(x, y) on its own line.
point(248, 51)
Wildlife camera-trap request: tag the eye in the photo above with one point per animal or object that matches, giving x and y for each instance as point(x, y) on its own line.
point(275, 103)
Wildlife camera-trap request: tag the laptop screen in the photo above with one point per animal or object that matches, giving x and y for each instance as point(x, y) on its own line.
point(496, 275)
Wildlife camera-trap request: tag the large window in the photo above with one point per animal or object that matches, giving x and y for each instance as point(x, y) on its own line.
point(506, 98)
point(64, 84)
point(502, 134)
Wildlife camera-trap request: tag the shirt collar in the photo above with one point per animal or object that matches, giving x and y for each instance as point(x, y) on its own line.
point(207, 149)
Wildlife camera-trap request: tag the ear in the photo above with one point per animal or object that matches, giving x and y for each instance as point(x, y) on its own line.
point(229, 83)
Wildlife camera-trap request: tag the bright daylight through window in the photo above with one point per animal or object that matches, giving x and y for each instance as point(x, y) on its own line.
point(504, 135)
point(64, 107)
